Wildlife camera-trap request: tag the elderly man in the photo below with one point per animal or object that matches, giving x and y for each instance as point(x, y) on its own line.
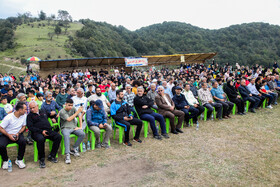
point(12, 128)
point(121, 113)
point(143, 106)
point(38, 124)
point(152, 95)
point(72, 92)
point(129, 97)
point(96, 120)
point(100, 96)
point(247, 96)
point(80, 100)
point(220, 97)
point(192, 99)
point(50, 107)
point(255, 93)
point(166, 107)
point(207, 101)
point(167, 90)
point(69, 126)
point(112, 93)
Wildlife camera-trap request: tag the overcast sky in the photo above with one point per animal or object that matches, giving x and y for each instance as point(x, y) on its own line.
point(211, 14)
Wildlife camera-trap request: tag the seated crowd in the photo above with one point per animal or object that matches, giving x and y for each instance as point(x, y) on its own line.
point(75, 104)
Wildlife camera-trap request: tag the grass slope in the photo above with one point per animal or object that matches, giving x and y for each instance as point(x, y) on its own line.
point(34, 41)
point(241, 151)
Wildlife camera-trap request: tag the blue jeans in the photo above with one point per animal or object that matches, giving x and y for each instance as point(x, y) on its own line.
point(151, 118)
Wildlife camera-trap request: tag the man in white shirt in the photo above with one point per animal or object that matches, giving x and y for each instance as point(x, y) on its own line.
point(12, 127)
point(80, 100)
point(101, 97)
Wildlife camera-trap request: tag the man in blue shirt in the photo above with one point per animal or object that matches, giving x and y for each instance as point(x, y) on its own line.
point(220, 97)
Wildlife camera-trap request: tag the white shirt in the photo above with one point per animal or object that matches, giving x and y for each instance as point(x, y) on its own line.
point(169, 104)
point(190, 97)
point(12, 124)
point(78, 101)
point(8, 108)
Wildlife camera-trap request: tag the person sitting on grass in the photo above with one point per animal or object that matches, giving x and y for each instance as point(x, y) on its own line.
point(143, 107)
point(121, 113)
point(40, 128)
point(96, 120)
point(69, 126)
point(12, 128)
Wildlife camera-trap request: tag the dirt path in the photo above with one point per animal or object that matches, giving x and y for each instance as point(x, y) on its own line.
point(13, 66)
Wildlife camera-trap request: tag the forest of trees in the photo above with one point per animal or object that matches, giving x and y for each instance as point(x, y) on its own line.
point(246, 43)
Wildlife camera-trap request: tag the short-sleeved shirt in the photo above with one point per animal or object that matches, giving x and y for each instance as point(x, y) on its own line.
point(12, 124)
point(63, 118)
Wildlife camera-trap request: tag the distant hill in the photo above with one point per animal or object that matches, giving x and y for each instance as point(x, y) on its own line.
point(246, 43)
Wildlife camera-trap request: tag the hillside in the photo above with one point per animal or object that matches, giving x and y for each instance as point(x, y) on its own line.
point(246, 43)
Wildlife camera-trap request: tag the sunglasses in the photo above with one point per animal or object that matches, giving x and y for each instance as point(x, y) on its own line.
point(160, 90)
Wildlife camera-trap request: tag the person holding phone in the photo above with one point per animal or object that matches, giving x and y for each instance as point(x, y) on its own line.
point(12, 127)
point(38, 124)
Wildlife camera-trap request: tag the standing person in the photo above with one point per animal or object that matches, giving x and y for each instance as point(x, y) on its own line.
point(207, 101)
point(121, 113)
point(220, 97)
point(96, 120)
point(143, 106)
point(166, 107)
point(12, 128)
point(38, 124)
point(61, 97)
point(69, 126)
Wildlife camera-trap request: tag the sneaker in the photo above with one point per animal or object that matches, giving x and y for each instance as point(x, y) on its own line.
point(75, 152)
point(42, 163)
point(29, 141)
point(137, 140)
point(67, 159)
point(157, 137)
point(269, 106)
point(5, 165)
point(127, 144)
point(105, 145)
point(52, 159)
point(20, 163)
point(98, 146)
point(165, 135)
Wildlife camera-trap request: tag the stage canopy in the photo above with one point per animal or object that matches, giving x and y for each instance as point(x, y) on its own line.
point(120, 61)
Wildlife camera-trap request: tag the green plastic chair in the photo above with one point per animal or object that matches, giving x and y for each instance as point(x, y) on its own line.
point(121, 130)
point(145, 124)
point(234, 107)
point(13, 101)
point(9, 145)
point(36, 155)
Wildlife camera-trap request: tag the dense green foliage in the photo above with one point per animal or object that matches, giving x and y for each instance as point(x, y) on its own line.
point(6, 35)
point(247, 43)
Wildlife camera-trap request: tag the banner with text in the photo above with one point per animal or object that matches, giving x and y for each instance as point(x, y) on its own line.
point(130, 62)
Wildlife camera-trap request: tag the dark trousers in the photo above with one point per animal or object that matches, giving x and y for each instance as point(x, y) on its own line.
point(227, 107)
point(190, 113)
point(270, 98)
point(239, 103)
point(151, 119)
point(4, 141)
point(218, 108)
point(260, 98)
point(254, 102)
point(171, 115)
point(134, 121)
point(40, 139)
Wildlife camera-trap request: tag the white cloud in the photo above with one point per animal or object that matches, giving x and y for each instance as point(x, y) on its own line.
point(212, 14)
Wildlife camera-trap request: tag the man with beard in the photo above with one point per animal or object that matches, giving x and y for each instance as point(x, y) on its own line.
point(100, 96)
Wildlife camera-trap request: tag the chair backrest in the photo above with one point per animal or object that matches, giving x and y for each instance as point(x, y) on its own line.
point(13, 102)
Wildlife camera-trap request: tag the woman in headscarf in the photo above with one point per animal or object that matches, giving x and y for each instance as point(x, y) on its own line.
point(234, 97)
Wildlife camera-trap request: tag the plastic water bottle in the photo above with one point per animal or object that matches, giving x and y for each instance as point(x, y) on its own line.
point(212, 116)
point(10, 166)
point(84, 147)
point(201, 117)
point(157, 128)
point(88, 145)
point(197, 126)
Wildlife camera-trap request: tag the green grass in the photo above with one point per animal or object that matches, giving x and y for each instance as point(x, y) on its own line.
point(35, 42)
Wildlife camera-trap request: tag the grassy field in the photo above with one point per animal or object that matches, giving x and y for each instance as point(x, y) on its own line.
point(241, 151)
point(34, 41)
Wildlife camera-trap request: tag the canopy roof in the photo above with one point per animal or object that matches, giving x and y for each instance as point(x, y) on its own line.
point(120, 61)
